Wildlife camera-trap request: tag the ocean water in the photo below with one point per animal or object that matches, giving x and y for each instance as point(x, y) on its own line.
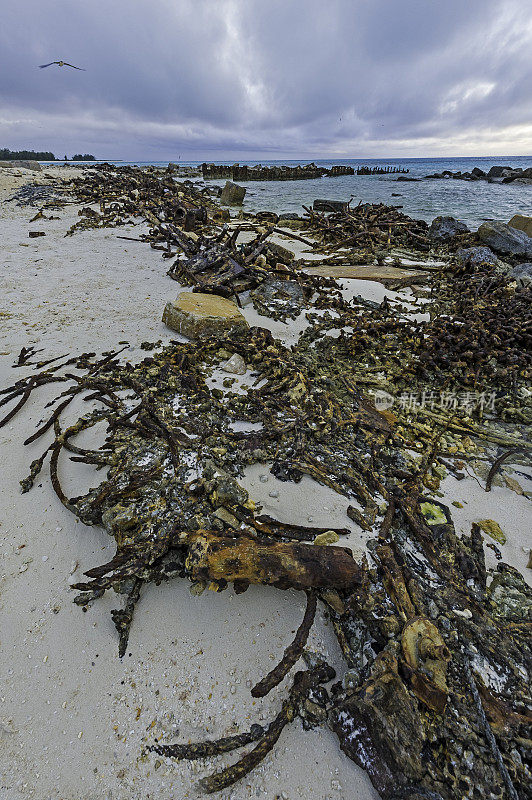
point(472, 202)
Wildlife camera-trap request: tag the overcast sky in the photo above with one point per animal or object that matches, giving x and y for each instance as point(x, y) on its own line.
point(216, 79)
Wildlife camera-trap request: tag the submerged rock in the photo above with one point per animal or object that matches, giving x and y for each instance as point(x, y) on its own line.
point(505, 239)
point(194, 314)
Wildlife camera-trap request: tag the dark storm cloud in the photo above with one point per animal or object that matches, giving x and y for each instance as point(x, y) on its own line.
point(196, 78)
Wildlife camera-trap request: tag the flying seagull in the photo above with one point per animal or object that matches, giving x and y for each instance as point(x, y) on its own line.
point(61, 64)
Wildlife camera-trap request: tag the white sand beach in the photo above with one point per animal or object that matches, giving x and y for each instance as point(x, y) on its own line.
point(74, 718)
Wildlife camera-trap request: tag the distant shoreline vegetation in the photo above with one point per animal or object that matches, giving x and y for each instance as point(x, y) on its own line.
point(24, 155)
point(32, 155)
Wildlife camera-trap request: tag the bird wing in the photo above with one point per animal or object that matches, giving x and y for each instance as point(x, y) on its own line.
point(73, 67)
point(42, 66)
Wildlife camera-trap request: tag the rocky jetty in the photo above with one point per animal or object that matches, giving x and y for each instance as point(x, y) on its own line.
point(494, 175)
point(238, 172)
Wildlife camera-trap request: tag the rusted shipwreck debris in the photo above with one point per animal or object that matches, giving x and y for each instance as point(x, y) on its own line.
point(435, 700)
point(241, 172)
point(368, 226)
point(381, 170)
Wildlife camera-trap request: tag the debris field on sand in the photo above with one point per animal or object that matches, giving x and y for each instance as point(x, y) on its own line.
point(435, 699)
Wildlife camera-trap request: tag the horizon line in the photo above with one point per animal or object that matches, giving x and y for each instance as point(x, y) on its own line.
point(307, 158)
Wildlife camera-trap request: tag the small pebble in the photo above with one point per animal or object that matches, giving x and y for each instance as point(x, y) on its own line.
point(273, 494)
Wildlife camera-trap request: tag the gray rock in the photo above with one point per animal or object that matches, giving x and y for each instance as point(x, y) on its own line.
point(232, 194)
point(479, 173)
point(444, 228)
point(505, 240)
point(496, 172)
point(523, 274)
point(522, 181)
point(235, 365)
point(475, 256)
point(511, 173)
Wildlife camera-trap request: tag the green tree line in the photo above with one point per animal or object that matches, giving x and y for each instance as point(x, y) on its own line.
point(24, 155)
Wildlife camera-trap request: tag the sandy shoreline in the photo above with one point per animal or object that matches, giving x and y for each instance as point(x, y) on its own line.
point(61, 675)
point(73, 717)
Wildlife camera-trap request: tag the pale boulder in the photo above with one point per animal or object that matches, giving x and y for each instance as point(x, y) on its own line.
point(195, 315)
point(34, 165)
point(522, 223)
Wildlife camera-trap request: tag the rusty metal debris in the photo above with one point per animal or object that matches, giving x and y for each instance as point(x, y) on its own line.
point(238, 172)
point(380, 170)
point(368, 226)
point(435, 698)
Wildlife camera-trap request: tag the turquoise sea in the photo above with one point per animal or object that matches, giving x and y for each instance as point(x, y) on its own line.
point(471, 202)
